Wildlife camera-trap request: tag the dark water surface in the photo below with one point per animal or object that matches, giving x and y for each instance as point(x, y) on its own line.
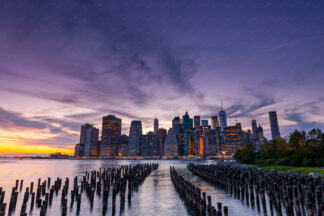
point(156, 196)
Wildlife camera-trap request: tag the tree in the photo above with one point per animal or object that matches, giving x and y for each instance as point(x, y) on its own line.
point(246, 154)
point(297, 140)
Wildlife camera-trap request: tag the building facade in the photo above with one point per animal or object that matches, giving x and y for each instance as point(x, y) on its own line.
point(188, 134)
point(222, 120)
point(123, 146)
point(204, 123)
point(171, 144)
point(232, 139)
point(83, 136)
point(275, 133)
point(111, 132)
point(214, 122)
point(156, 125)
point(91, 144)
point(162, 133)
point(197, 122)
point(135, 134)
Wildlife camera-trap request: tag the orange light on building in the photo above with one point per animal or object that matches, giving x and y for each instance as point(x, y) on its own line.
point(201, 146)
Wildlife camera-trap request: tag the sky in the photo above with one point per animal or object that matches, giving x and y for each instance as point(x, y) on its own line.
point(65, 63)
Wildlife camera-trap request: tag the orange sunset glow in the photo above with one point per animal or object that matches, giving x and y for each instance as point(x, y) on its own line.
point(16, 147)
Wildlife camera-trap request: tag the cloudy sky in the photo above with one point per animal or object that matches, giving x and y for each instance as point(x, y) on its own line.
point(64, 63)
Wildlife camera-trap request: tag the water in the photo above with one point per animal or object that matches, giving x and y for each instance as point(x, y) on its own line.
point(156, 196)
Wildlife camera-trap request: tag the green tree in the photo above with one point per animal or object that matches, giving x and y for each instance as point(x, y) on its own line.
point(297, 140)
point(246, 154)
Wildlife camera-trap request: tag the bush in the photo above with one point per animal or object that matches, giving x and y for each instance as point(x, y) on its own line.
point(307, 162)
point(302, 149)
point(283, 161)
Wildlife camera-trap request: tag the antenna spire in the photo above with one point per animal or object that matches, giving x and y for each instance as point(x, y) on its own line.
point(221, 104)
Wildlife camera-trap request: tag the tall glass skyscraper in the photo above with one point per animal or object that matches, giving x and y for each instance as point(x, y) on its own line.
point(91, 144)
point(162, 133)
point(171, 144)
point(83, 137)
point(156, 125)
point(176, 125)
point(222, 119)
point(204, 123)
point(254, 130)
point(188, 133)
point(135, 134)
point(197, 122)
point(111, 132)
point(274, 125)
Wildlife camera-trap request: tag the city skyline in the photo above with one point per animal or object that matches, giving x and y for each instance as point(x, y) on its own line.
point(64, 64)
point(187, 137)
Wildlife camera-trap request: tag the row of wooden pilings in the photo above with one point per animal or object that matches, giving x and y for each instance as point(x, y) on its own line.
point(192, 197)
point(285, 192)
point(98, 183)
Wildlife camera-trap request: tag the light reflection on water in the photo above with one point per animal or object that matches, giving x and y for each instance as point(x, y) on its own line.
point(156, 196)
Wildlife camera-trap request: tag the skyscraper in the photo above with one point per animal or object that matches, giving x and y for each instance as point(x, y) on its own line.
point(176, 125)
point(162, 133)
point(83, 136)
point(196, 122)
point(254, 130)
point(274, 125)
point(156, 125)
point(135, 134)
point(254, 136)
point(123, 145)
point(204, 123)
point(188, 134)
point(261, 138)
point(111, 132)
point(222, 119)
point(171, 144)
point(212, 143)
point(150, 145)
point(214, 122)
point(232, 139)
point(91, 144)
point(77, 150)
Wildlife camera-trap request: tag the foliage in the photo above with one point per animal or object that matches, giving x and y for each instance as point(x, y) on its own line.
point(246, 154)
point(300, 170)
point(301, 149)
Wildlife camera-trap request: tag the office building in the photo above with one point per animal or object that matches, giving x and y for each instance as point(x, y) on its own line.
point(211, 143)
point(214, 122)
point(222, 119)
point(135, 134)
point(274, 125)
point(149, 144)
point(188, 134)
point(171, 144)
point(156, 125)
point(111, 132)
point(176, 125)
point(162, 133)
point(83, 135)
point(197, 122)
point(204, 123)
point(261, 138)
point(77, 150)
point(91, 144)
point(232, 139)
point(123, 146)
point(254, 129)
point(255, 136)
